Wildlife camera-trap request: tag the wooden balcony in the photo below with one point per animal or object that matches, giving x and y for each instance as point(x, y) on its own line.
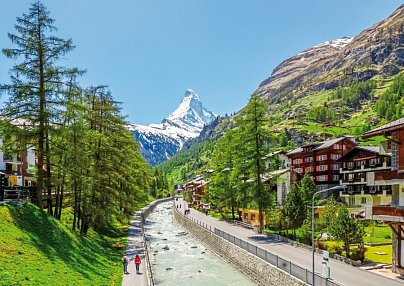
point(388, 211)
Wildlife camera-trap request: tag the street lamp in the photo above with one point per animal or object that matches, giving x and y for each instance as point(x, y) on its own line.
point(312, 220)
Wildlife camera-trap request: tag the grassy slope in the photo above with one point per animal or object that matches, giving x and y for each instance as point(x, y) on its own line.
point(38, 250)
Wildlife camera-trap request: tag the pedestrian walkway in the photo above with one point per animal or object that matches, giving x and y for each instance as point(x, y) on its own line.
point(135, 246)
point(340, 272)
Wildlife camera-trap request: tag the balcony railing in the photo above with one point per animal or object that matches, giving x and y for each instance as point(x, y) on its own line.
point(375, 165)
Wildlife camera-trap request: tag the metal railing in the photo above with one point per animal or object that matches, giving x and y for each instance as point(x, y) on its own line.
point(149, 269)
point(286, 265)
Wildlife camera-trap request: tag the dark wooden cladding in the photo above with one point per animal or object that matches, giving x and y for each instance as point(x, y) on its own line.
point(388, 211)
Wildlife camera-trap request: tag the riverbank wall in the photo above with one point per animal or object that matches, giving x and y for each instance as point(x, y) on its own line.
point(256, 269)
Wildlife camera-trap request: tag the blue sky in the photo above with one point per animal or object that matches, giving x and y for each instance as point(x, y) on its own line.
point(149, 52)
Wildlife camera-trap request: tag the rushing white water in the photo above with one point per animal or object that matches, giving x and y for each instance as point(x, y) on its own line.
point(180, 260)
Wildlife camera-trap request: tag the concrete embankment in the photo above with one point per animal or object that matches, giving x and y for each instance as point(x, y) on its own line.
point(259, 271)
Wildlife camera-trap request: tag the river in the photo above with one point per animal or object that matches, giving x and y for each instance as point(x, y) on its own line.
point(180, 260)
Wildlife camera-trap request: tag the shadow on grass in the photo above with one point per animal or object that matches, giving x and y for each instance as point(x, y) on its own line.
point(56, 241)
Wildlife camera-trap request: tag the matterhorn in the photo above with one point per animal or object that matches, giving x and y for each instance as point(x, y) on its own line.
point(159, 142)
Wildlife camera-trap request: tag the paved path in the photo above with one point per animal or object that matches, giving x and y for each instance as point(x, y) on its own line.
point(341, 272)
point(135, 246)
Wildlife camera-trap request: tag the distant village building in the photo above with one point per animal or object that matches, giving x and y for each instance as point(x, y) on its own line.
point(319, 160)
point(196, 188)
point(19, 169)
point(282, 175)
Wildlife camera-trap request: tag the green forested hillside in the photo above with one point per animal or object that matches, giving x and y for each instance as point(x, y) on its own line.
point(351, 109)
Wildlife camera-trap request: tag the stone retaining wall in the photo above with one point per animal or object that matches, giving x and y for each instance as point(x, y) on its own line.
point(147, 210)
point(259, 271)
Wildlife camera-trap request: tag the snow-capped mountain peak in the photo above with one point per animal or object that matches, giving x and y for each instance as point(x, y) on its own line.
point(190, 114)
point(161, 141)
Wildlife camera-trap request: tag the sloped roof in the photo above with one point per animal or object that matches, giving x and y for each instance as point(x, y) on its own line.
point(329, 143)
point(371, 149)
point(320, 145)
point(387, 128)
point(295, 151)
point(272, 174)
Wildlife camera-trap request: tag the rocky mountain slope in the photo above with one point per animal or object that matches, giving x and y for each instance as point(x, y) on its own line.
point(325, 91)
point(160, 142)
point(378, 50)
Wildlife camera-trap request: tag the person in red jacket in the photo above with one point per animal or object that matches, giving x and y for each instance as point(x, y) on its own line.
point(137, 263)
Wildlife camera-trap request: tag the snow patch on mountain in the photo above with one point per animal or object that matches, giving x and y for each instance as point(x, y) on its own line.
point(338, 43)
point(160, 142)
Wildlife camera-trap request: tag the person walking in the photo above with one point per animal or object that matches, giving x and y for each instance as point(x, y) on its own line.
point(125, 261)
point(137, 263)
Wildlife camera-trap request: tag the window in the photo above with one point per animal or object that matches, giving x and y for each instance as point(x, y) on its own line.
point(322, 178)
point(351, 200)
point(394, 156)
point(335, 178)
point(363, 200)
point(299, 170)
point(337, 146)
point(321, 168)
point(308, 159)
point(252, 216)
point(309, 169)
point(245, 216)
point(335, 167)
point(335, 156)
point(321, 158)
point(297, 161)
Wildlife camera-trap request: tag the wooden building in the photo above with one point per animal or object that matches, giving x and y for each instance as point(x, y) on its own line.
point(196, 188)
point(358, 169)
point(319, 160)
point(392, 214)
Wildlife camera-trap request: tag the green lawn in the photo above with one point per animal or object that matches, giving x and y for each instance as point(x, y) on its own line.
point(38, 250)
point(380, 233)
point(371, 255)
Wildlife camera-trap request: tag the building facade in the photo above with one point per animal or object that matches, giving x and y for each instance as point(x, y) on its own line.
point(358, 169)
point(392, 214)
point(319, 160)
point(196, 189)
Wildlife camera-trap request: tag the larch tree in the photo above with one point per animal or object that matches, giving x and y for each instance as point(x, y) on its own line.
point(36, 92)
point(254, 139)
point(221, 191)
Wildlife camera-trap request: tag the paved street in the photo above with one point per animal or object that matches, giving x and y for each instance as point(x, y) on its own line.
point(341, 272)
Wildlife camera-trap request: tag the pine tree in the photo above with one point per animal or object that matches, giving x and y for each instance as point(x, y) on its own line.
point(307, 188)
point(346, 229)
point(294, 208)
point(36, 91)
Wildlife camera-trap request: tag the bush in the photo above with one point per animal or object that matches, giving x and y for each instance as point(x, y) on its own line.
point(334, 247)
point(387, 236)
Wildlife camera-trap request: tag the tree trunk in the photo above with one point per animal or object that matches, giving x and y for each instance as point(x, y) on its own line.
point(48, 171)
